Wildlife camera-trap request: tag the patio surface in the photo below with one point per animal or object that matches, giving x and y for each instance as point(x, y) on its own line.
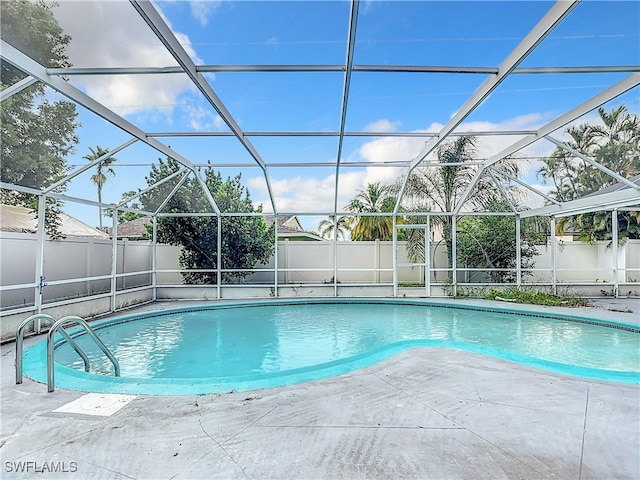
point(425, 413)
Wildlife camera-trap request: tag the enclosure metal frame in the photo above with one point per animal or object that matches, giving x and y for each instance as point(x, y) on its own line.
point(54, 78)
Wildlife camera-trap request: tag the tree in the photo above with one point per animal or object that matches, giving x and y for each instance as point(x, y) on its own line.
point(490, 242)
point(326, 227)
point(122, 215)
point(440, 189)
point(245, 241)
point(37, 134)
point(614, 144)
point(374, 198)
point(103, 169)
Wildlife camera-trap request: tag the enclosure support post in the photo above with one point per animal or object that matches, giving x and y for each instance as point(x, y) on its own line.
point(287, 262)
point(154, 259)
point(335, 253)
point(395, 256)
point(554, 256)
point(377, 261)
point(427, 257)
point(114, 258)
point(614, 251)
point(42, 205)
point(219, 256)
point(454, 263)
point(518, 254)
point(275, 257)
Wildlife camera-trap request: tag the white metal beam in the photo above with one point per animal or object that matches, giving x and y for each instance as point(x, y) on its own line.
point(593, 163)
point(31, 67)
point(544, 27)
point(528, 187)
point(621, 198)
point(71, 71)
point(483, 133)
point(17, 87)
point(351, 43)
point(159, 27)
point(151, 187)
point(615, 90)
point(171, 194)
point(89, 165)
point(502, 191)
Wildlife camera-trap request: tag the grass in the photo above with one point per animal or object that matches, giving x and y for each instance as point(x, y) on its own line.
point(527, 295)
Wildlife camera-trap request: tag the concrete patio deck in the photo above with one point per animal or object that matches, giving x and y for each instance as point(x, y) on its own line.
point(426, 413)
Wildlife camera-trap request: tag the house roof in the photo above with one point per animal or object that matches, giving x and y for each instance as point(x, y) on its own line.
point(285, 224)
point(134, 229)
point(23, 220)
point(616, 187)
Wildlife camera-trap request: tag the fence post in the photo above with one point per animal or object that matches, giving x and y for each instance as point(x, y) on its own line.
point(40, 238)
point(427, 257)
point(89, 257)
point(394, 257)
point(614, 246)
point(114, 257)
point(454, 263)
point(275, 257)
point(554, 256)
point(518, 254)
point(219, 256)
point(154, 258)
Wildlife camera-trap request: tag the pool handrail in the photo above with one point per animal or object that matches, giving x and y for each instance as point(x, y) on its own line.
point(20, 343)
point(50, 347)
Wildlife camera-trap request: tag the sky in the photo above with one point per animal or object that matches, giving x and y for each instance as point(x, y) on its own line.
point(450, 33)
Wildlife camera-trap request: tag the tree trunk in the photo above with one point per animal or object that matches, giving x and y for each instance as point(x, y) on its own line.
point(100, 207)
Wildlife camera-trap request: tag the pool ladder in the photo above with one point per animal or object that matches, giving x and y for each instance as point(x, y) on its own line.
point(55, 327)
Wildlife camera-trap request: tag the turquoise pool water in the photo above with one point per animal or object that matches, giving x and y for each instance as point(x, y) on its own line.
point(240, 347)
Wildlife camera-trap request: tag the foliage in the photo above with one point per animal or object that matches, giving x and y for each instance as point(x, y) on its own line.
point(442, 187)
point(614, 144)
point(122, 215)
point(103, 169)
point(536, 297)
point(524, 295)
point(37, 134)
point(374, 198)
point(490, 242)
point(595, 226)
point(245, 241)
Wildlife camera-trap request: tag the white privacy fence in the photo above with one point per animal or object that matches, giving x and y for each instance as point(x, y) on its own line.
point(79, 267)
point(78, 274)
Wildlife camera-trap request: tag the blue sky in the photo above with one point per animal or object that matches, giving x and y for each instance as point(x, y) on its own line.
point(452, 33)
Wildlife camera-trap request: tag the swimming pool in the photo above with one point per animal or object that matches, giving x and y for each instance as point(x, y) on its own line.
point(244, 346)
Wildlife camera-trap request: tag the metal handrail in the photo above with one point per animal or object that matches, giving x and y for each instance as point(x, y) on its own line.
point(50, 350)
point(20, 342)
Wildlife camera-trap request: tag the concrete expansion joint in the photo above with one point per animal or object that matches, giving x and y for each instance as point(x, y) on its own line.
point(584, 430)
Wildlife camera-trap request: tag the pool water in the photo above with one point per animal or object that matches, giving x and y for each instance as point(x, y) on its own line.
point(266, 343)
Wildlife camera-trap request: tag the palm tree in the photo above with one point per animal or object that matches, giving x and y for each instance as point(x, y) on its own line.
point(441, 188)
point(326, 226)
point(102, 170)
point(374, 198)
point(613, 144)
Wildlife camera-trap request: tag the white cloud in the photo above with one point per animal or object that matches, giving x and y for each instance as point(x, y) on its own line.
point(201, 118)
point(316, 193)
point(112, 34)
point(203, 9)
point(383, 125)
